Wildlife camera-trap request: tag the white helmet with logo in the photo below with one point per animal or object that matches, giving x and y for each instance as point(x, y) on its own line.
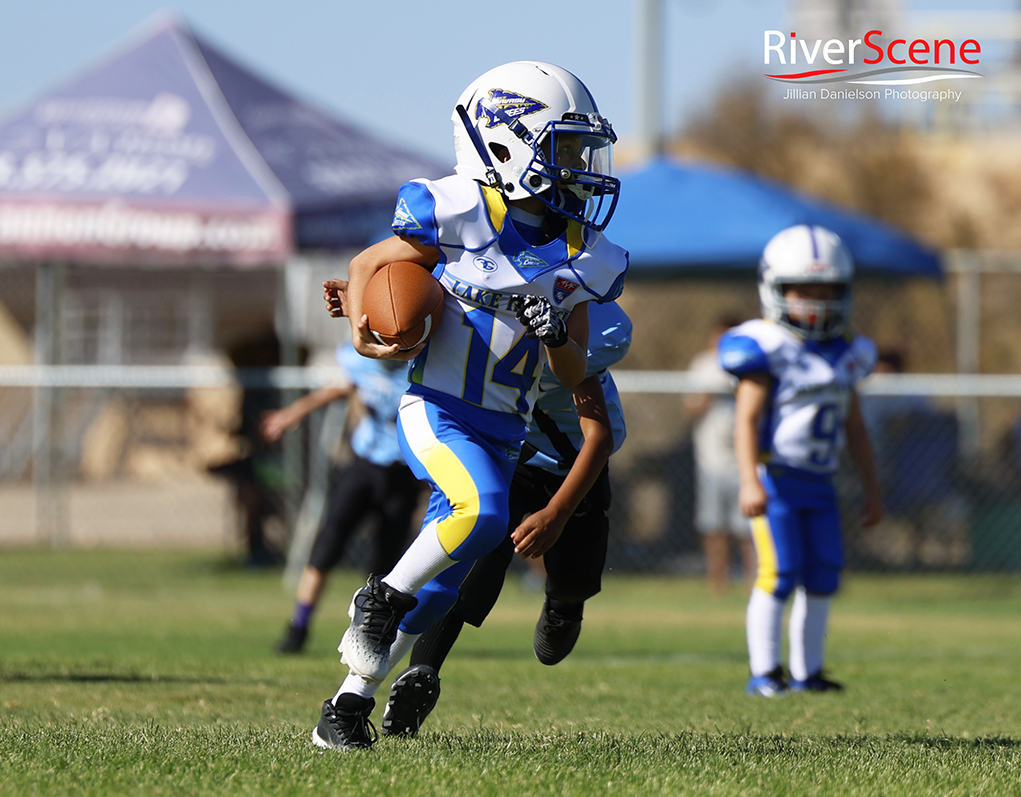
point(803, 255)
point(530, 128)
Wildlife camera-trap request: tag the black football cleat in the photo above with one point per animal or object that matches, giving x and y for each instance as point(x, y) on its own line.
point(555, 634)
point(293, 640)
point(346, 726)
point(413, 696)
point(816, 683)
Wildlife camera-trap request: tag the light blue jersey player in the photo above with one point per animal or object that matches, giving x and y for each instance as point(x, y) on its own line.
point(609, 342)
point(796, 410)
point(515, 238)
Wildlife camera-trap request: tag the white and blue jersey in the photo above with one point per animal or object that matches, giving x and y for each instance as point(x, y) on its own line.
point(798, 540)
point(473, 386)
point(380, 385)
point(609, 340)
point(803, 426)
point(479, 353)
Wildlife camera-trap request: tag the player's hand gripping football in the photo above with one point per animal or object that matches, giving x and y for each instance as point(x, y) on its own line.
point(542, 321)
point(335, 296)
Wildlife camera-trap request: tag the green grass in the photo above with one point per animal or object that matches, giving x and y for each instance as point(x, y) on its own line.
point(151, 673)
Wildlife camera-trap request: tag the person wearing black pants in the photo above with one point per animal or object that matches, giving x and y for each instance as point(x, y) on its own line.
point(559, 498)
point(377, 483)
point(362, 489)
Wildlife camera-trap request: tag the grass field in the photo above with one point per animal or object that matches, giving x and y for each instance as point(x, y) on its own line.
point(151, 673)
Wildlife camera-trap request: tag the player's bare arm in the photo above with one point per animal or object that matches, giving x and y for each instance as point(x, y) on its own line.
point(570, 361)
point(540, 530)
point(860, 449)
point(274, 424)
point(752, 397)
point(363, 267)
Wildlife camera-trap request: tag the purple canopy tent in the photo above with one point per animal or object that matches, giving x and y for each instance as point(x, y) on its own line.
point(149, 181)
point(169, 152)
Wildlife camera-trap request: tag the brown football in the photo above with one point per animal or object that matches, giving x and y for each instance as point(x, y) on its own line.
point(403, 302)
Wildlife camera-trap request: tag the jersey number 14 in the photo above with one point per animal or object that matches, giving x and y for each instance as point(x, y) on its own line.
point(516, 369)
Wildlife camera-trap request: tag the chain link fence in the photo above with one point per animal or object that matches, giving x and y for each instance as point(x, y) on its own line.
point(155, 456)
point(140, 452)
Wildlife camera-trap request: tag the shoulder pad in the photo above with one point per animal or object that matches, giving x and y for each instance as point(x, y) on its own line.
point(451, 211)
point(741, 354)
point(609, 336)
point(601, 268)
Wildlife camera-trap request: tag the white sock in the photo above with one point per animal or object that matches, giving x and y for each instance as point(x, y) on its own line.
point(355, 684)
point(809, 615)
point(399, 649)
point(764, 625)
point(425, 559)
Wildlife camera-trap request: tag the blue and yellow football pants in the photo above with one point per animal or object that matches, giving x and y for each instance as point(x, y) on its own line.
point(798, 540)
point(468, 456)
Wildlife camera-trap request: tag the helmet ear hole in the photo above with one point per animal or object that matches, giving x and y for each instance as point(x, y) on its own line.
point(501, 152)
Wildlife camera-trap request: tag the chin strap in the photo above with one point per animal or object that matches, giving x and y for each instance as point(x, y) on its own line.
point(491, 176)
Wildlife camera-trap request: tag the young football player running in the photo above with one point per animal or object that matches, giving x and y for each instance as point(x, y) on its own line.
point(796, 408)
point(559, 499)
point(515, 239)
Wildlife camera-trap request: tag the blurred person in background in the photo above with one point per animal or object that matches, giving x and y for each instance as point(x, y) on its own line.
point(718, 515)
point(796, 409)
point(917, 451)
point(377, 483)
point(257, 474)
point(879, 410)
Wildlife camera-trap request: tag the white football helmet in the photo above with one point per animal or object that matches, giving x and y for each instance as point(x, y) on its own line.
point(804, 255)
point(530, 128)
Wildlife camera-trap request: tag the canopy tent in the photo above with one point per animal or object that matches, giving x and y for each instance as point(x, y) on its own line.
point(675, 218)
point(160, 162)
point(170, 152)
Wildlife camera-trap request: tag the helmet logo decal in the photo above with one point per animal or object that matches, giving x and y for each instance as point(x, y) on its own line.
point(563, 288)
point(404, 219)
point(510, 103)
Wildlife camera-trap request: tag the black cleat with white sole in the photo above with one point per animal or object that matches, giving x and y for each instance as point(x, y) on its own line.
point(412, 697)
point(345, 725)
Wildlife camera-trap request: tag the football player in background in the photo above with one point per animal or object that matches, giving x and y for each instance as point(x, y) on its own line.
point(377, 483)
point(559, 500)
point(796, 408)
point(515, 239)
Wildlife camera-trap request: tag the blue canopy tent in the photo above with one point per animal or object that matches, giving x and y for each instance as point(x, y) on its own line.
point(677, 219)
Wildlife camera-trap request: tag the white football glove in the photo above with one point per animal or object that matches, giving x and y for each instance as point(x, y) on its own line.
point(541, 320)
